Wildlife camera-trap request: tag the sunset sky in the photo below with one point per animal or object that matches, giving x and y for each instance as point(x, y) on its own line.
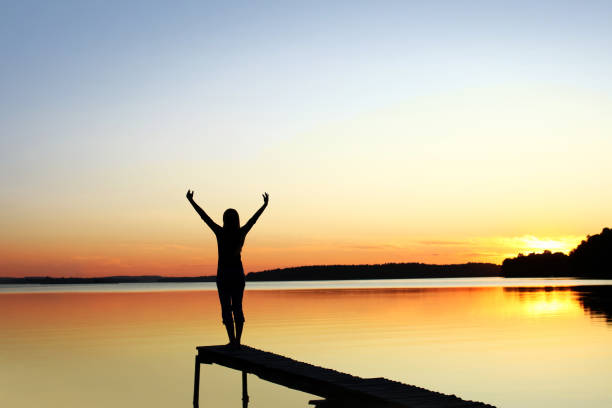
point(438, 132)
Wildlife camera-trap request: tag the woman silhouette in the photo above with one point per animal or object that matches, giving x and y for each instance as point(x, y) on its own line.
point(230, 273)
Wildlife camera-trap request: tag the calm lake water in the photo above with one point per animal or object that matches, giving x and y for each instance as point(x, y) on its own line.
point(507, 342)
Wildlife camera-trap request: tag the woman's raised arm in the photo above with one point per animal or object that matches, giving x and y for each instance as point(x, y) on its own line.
point(247, 227)
point(211, 224)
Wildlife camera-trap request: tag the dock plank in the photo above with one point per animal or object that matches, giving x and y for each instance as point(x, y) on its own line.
point(335, 386)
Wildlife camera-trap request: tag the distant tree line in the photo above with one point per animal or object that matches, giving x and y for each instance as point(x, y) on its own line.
point(308, 273)
point(591, 259)
point(546, 264)
point(378, 271)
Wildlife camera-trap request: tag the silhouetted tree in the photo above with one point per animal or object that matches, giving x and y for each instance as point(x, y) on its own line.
point(593, 257)
point(545, 264)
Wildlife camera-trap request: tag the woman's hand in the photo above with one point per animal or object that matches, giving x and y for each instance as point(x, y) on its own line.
point(265, 196)
point(190, 195)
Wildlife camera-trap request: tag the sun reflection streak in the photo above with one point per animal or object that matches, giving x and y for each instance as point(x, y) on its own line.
point(540, 303)
point(546, 306)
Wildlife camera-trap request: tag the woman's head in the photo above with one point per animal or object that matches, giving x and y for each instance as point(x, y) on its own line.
point(231, 220)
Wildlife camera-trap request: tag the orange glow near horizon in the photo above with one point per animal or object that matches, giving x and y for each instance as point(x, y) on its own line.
point(191, 260)
point(564, 244)
point(197, 258)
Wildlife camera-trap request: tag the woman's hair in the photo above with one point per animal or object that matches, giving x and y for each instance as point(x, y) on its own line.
point(231, 220)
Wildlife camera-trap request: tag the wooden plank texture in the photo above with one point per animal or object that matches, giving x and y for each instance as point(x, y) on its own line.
point(339, 389)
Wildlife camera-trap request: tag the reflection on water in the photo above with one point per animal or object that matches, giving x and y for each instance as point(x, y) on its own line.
point(528, 347)
point(546, 301)
point(596, 301)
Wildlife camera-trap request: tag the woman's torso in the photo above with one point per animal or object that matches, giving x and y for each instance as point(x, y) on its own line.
point(229, 246)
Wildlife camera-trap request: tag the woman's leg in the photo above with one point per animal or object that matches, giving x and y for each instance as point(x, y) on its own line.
point(237, 294)
point(225, 298)
point(230, 333)
point(239, 326)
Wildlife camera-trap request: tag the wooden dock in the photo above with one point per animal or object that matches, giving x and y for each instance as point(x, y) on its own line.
point(337, 389)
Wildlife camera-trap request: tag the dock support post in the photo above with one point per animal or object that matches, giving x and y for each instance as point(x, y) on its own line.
point(196, 383)
point(245, 394)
